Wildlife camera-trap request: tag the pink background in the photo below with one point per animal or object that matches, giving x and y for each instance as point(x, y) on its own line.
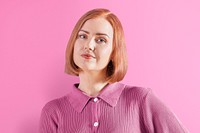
point(163, 43)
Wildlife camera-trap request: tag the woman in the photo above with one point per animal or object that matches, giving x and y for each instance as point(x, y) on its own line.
point(96, 53)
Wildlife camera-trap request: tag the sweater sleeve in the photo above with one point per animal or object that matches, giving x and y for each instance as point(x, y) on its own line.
point(158, 118)
point(48, 120)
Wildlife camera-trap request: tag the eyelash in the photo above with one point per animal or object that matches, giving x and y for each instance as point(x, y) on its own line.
point(98, 40)
point(80, 36)
point(101, 39)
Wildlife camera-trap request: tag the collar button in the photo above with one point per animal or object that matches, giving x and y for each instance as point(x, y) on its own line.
point(96, 99)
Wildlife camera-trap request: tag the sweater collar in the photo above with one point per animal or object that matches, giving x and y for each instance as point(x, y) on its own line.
point(110, 94)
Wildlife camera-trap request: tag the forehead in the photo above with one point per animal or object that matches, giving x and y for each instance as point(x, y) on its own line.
point(98, 25)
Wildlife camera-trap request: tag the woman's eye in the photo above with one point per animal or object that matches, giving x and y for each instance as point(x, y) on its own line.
point(82, 36)
point(101, 40)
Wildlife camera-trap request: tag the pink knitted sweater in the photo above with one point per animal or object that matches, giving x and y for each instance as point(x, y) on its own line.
point(118, 108)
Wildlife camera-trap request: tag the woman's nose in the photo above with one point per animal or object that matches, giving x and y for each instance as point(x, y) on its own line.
point(90, 45)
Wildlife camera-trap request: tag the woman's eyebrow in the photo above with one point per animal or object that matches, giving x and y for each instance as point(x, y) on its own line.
point(102, 34)
point(85, 31)
point(96, 33)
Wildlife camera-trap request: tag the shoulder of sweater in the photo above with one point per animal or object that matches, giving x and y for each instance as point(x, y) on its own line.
point(53, 105)
point(137, 90)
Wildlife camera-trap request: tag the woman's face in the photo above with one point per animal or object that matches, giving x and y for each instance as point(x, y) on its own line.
point(93, 46)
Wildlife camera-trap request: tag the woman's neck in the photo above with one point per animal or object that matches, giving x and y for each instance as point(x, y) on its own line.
point(92, 83)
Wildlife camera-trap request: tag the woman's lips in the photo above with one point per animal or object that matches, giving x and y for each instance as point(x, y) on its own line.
point(87, 56)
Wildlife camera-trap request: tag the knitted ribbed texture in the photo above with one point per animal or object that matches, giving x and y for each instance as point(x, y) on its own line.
point(117, 109)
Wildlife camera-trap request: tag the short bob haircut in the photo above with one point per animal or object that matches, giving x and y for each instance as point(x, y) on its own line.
point(117, 67)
